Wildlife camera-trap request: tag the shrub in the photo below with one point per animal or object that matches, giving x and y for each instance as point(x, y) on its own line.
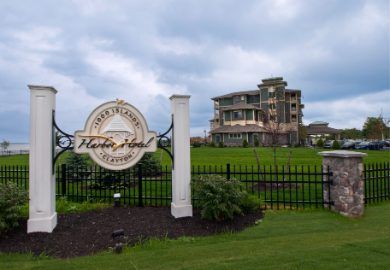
point(12, 200)
point(336, 145)
point(196, 144)
point(76, 164)
point(249, 203)
point(220, 145)
point(212, 144)
point(151, 166)
point(245, 143)
point(320, 143)
point(256, 142)
point(218, 198)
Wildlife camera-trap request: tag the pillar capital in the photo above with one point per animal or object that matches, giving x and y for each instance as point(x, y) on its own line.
point(33, 87)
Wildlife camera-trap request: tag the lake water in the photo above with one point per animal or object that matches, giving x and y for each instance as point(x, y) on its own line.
point(18, 147)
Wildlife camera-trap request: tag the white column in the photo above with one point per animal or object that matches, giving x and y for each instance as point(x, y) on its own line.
point(181, 173)
point(42, 215)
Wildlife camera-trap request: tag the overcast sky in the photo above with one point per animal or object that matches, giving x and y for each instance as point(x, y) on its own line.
point(336, 52)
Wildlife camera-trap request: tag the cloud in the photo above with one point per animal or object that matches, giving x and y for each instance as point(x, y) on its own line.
point(144, 51)
point(348, 112)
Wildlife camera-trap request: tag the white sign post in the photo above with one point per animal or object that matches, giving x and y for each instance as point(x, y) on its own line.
point(181, 174)
point(42, 214)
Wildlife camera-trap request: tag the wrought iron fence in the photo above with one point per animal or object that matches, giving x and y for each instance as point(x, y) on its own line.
point(376, 182)
point(277, 187)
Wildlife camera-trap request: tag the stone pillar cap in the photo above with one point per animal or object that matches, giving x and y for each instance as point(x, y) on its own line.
point(42, 87)
point(342, 154)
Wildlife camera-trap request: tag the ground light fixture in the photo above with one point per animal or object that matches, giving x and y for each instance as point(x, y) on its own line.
point(117, 197)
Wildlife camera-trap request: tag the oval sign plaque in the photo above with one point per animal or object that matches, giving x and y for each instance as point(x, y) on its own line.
point(115, 136)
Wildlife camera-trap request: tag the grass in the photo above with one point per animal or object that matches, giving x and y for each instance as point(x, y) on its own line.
point(238, 156)
point(284, 240)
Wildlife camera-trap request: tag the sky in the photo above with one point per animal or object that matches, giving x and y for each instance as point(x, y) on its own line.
point(93, 51)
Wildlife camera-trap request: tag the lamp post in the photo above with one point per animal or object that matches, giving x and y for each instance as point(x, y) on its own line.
point(117, 197)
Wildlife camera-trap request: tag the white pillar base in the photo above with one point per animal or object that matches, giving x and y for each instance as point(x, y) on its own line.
point(179, 211)
point(46, 224)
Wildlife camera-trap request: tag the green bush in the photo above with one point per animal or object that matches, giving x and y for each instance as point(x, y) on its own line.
point(245, 143)
point(336, 145)
point(151, 166)
point(320, 143)
point(256, 142)
point(12, 200)
point(196, 144)
point(212, 144)
point(249, 203)
point(218, 198)
point(76, 165)
point(220, 145)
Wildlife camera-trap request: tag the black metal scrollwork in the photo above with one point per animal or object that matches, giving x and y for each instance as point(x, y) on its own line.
point(62, 139)
point(164, 142)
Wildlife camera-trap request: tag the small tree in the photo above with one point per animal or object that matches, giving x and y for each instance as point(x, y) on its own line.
point(320, 143)
point(273, 127)
point(245, 143)
point(12, 200)
point(256, 142)
point(76, 165)
point(302, 133)
point(4, 145)
point(336, 145)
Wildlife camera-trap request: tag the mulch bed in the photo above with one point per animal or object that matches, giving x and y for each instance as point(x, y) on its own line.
point(90, 232)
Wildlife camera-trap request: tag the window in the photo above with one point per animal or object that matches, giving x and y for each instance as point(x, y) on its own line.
point(294, 107)
point(242, 98)
point(227, 116)
point(271, 94)
point(235, 135)
point(237, 115)
point(293, 118)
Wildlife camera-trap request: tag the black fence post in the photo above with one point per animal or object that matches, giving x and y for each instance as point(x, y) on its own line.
point(139, 173)
point(63, 179)
point(228, 171)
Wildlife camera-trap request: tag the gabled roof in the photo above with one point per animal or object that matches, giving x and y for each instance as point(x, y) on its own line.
point(316, 123)
point(321, 129)
point(117, 125)
point(240, 93)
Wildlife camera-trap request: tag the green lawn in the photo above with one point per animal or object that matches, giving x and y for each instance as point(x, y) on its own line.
point(237, 155)
point(310, 239)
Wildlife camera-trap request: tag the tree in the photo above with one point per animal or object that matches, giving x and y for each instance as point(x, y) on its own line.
point(374, 128)
point(351, 133)
point(273, 127)
point(302, 133)
point(4, 145)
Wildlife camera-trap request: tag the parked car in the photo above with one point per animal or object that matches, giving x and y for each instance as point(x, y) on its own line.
point(377, 145)
point(350, 144)
point(328, 144)
point(362, 145)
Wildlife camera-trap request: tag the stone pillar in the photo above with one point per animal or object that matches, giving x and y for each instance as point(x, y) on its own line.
point(42, 215)
point(181, 172)
point(347, 185)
